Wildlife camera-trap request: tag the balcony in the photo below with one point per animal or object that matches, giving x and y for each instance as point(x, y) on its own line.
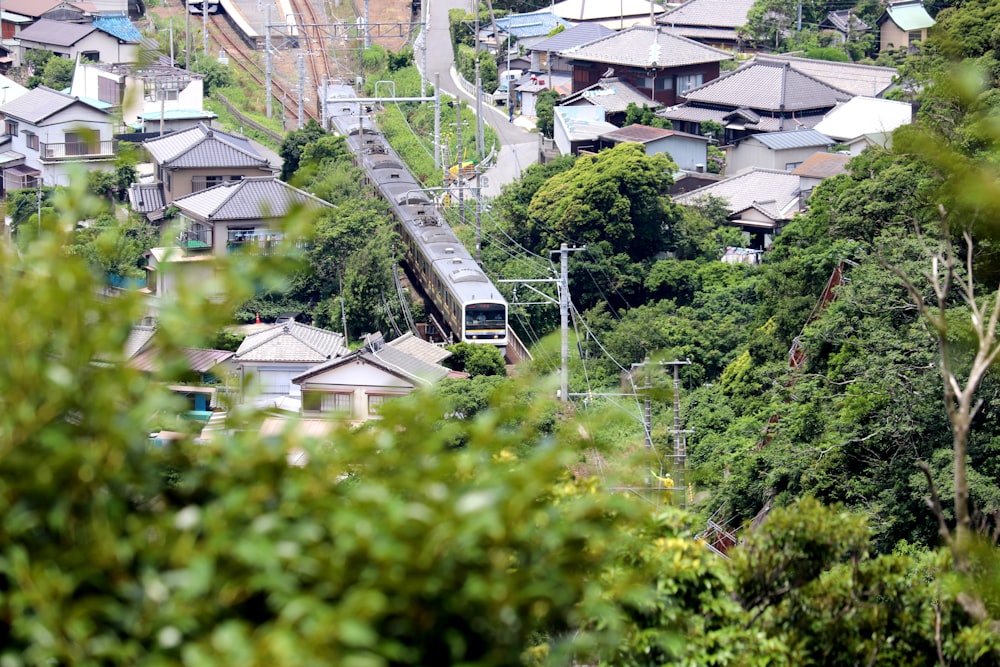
point(78, 150)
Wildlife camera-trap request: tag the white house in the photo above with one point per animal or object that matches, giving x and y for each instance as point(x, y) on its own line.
point(354, 387)
point(775, 150)
point(577, 128)
point(268, 360)
point(145, 94)
point(688, 151)
point(864, 115)
point(54, 134)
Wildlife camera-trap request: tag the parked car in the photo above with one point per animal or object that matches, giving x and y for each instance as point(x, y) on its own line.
point(500, 94)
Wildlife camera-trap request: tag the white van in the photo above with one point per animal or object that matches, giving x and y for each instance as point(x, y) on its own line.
point(510, 75)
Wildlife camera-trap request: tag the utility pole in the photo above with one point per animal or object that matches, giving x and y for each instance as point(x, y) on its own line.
point(187, 39)
point(204, 26)
point(564, 251)
point(437, 120)
point(267, 59)
point(799, 26)
point(461, 159)
point(302, 78)
point(680, 435)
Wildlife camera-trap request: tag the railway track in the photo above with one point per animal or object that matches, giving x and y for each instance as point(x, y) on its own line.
point(316, 55)
point(225, 36)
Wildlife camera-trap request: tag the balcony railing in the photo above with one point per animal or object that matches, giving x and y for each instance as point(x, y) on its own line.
point(78, 150)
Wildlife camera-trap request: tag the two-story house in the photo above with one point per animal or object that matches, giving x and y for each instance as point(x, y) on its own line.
point(241, 215)
point(760, 96)
point(55, 134)
point(903, 24)
point(712, 22)
point(109, 39)
point(153, 98)
point(192, 160)
point(659, 64)
point(545, 58)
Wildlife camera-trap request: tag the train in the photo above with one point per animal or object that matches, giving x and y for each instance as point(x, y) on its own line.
point(469, 303)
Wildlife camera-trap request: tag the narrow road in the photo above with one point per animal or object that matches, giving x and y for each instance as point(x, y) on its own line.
point(519, 147)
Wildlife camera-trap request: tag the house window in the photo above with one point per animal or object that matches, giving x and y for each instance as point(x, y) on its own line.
point(90, 56)
point(10, 128)
point(31, 140)
point(334, 403)
point(376, 401)
point(686, 83)
point(791, 165)
point(915, 36)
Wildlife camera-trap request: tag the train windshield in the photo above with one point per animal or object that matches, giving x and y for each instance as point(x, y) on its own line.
point(485, 316)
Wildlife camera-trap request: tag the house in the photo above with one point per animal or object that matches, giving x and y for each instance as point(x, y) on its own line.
point(577, 128)
point(524, 29)
point(10, 28)
point(528, 92)
point(819, 167)
point(202, 375)
point(240, 215)
point(903, 24)
point(10, 90)
point(615, 15)
point(760, 96)
point(867, 80)
point(545, 58)
point(775, 150)
point(54, 134)
point(659, 64)
point(864, 116)
point(152, 97)
point(110, 39)
point(760, 202)
point(712, 22)
point(688, 151)
point(613, 95)
point(355, 386)
point(269, 359)
point(192, 160)
point(844, 26)
point(858, 145)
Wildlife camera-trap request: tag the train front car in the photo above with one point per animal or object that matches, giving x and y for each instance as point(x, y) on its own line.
point(486, 322)
point(481, 312)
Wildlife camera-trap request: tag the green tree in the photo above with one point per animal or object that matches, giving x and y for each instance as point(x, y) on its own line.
point(293, 145)
point(476, 360)
point(217, 75)
point(618, 196)
point(769, 22)
point(645, 116)
point(58, 73)
point(545, 112)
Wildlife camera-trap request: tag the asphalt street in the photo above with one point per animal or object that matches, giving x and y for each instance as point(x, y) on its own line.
point(519, 147)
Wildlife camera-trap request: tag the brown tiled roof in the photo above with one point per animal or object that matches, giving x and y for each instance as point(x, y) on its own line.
point(823, 165)
point(643, 134)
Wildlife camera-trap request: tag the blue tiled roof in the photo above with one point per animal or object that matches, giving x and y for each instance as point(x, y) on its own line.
point(534, 24)
point(118, 26)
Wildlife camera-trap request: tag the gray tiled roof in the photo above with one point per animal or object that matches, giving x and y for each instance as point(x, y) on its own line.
point(709, 13)
point(146, 197)
point(37, 104)
point(794, 139)
point(582, 10)
point(701, 32)
point(693, 113)
point(421, 349)
point(389, 359)
point(56, 33)
point(613, 94)
point(203, 147)
point(838, 21)
point(572, 37)
point(291, 342)
point(772, 192)
point(197, 360)
point(138, 338)
point(768, 86)
point(868, 80)
point(249, 199)
point(647, 46)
